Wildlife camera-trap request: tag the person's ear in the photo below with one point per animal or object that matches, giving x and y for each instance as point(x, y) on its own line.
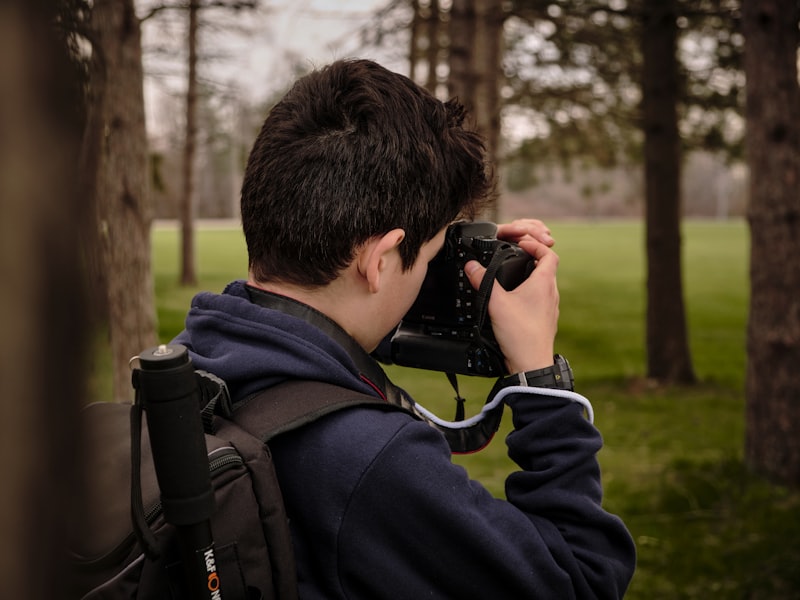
point(374, 257)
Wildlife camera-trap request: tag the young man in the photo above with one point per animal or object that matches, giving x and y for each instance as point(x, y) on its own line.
point(349, 188)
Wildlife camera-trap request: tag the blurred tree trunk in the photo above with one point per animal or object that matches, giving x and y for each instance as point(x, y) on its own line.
point(668, 357)
point(461, 81)
point(415, 40)
point(43, 309)
point(433, 47)
point(487, 55)
point(188, 270)
point(772, 446)
point(116, 147)
point(476, 42)
point(424, 34)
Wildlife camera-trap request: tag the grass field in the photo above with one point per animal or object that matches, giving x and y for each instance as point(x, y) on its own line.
point(672, 461)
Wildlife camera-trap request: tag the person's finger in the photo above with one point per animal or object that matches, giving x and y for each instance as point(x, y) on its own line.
point(520, 229)
point(474, 272)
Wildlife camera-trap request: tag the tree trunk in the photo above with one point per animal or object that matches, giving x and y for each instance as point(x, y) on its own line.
point(461, 80)
point(188, 272)
point(476, 34)
point(42, 306)
point(414, 37)
point(433, 47)
point(668, 357)
point(772, 445)
point(487, 58)
point(117, 138)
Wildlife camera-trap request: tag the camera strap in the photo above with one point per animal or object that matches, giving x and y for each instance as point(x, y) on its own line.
point(487, 283)
point(463, 436)
point(460, 400)
point(474, 435)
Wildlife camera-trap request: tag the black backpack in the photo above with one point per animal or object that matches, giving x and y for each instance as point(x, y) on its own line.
point(252, 544)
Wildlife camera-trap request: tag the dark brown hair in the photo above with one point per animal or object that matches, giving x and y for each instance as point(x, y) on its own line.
point(353, 151)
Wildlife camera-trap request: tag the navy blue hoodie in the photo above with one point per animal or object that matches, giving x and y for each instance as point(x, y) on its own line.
point(377, 508)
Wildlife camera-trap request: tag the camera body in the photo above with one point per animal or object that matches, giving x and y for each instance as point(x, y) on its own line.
point(447, 328)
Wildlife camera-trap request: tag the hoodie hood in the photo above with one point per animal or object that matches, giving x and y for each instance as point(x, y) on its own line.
point(252, 347)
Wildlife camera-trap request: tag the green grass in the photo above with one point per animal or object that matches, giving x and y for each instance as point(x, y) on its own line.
point(672, 461)
point(221, 257)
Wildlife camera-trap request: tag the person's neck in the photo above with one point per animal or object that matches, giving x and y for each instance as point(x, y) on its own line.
point(331, 300)
point(369, 369)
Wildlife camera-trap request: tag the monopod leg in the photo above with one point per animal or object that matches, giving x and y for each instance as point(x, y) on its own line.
point(170, 397)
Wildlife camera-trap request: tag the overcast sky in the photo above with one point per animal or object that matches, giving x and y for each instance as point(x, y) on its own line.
point(249, 54)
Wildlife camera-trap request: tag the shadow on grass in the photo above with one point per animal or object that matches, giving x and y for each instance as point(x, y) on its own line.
point(710, 529)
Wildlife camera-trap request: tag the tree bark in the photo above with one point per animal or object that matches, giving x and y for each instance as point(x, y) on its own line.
point(116, 138)
point(433, 47)
point(188, 271)
point(668, 357)
point(414, 35)
point(42, 303)
point(772, 445)
point(488, 55)
point(461, 79)
point(476, 35)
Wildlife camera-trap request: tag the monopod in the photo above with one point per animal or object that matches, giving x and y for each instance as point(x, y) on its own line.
point(171, 400)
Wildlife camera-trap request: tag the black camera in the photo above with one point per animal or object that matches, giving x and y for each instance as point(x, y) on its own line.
point(447, 328)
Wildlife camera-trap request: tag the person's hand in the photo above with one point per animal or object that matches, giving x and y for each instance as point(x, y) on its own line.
point(525, 319)
point(521, 229)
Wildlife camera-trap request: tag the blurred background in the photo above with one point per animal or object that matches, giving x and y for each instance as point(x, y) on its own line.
point(658, 137)
point(566, 92)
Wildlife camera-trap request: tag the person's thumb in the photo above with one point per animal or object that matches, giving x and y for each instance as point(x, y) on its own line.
point(474, 272)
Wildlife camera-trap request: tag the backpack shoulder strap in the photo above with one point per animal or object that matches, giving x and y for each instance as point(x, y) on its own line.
point(295, 403)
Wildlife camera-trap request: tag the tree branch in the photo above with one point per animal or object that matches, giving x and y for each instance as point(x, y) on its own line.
point(235, 5)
